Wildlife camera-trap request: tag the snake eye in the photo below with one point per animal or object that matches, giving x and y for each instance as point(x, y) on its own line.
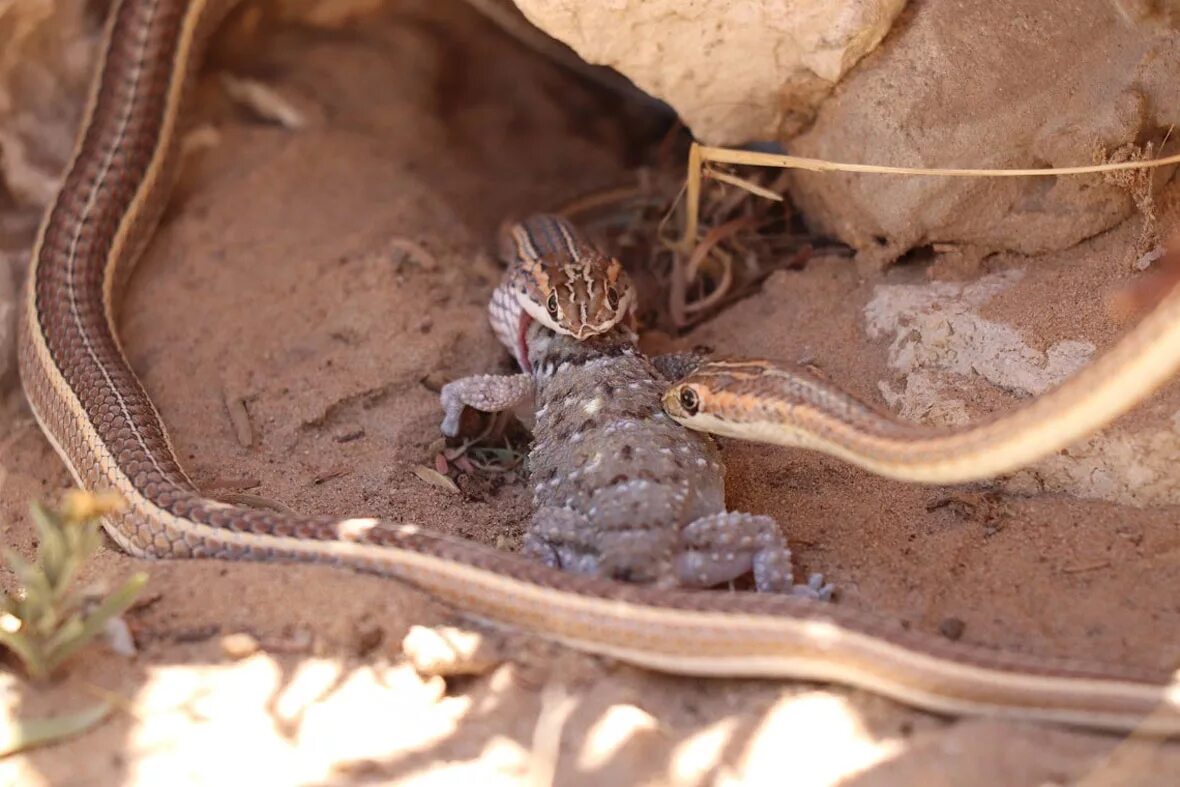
point(689, 400)
point(551, 305)
point(612, 298)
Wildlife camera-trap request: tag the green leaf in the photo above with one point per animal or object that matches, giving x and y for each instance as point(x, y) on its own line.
point(26, 650)
point(52, 623)
point(18, 564)
point(42, 519)
point(25, 734)
point(37, 597)
point(52, 549)
point(62, 634)
point(114, 604)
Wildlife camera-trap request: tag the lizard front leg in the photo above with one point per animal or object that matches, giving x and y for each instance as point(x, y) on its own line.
point(489, 393)
point(721, 547)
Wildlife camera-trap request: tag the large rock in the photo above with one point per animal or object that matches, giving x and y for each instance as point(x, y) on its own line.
point(46, 60)
point(735, 71)
point(941, 346)
point(1010, 83)
point(956, 83)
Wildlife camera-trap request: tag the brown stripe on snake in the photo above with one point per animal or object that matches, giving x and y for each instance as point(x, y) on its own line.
point(96, 414)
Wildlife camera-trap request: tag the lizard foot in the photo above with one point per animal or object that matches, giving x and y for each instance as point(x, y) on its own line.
point(722, 547)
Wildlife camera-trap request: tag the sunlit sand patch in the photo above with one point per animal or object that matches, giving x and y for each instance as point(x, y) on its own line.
point(607, 736)
point(249, 723)
point(816, 738)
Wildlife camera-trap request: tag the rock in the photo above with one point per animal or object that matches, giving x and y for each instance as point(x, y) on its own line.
point(734, 71)
point(118, 637)
point(1011, 84)
point(239, 645)
point(446, 651)
point(938, 341)
point(1016, 83)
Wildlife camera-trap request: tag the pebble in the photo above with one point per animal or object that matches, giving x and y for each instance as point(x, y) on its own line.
point(239, 645)
point(446, 650)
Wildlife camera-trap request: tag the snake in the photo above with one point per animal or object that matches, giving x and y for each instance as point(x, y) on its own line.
point(768, 401)
point(96, 415)
point(557, 277)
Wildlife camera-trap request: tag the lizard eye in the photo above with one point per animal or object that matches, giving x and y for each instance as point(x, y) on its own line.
point(612, 298)
point(689, 400)
point(551, 305)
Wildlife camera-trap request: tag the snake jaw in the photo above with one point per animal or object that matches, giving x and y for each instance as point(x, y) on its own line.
point(522, 344)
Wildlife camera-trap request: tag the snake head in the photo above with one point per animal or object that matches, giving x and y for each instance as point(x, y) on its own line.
point(722, 397)
point(563, 281)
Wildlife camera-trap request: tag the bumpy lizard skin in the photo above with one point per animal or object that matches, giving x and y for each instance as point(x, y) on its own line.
point(621, 490)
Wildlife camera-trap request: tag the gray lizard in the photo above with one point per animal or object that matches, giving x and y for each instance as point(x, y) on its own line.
point(620, 489)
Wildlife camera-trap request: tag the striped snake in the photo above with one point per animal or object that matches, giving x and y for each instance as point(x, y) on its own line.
point(768, 402)
point(95, 413)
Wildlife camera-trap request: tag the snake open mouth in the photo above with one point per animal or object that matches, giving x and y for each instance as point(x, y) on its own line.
point(522, 345)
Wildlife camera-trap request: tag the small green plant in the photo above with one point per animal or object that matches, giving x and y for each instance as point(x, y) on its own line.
point(48, 620)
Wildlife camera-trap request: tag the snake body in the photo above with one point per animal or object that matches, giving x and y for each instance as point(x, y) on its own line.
point(97, 416)
point(769, 402)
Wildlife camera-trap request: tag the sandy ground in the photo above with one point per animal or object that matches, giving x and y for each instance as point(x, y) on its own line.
point(277, 280)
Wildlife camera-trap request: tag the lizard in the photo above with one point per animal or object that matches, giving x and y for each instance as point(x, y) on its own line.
point(620, 489)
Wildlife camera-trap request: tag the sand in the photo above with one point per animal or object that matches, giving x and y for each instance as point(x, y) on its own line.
point(279, 282)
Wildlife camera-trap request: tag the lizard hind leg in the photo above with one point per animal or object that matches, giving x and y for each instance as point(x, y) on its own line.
point(562, 538)
point(569, 540)
point(722, 547)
